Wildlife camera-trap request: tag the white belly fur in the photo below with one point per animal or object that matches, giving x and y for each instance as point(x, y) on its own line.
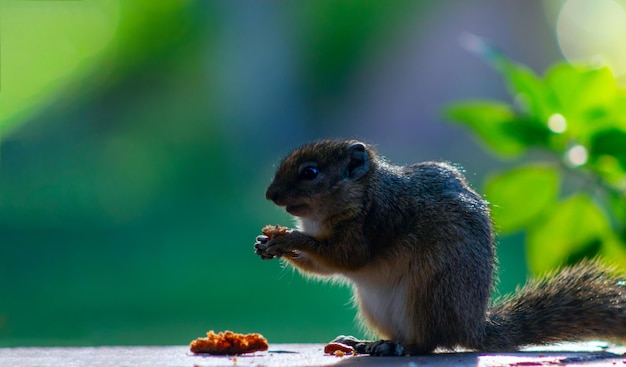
point(308, 226)
point(383, 304)
point(381, 299)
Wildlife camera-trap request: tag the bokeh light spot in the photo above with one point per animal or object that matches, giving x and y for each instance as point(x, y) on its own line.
point(593, 32)
point(577, 155)
point(557, 123)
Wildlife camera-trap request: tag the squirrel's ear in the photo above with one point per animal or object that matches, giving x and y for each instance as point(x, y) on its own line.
point(359, 162)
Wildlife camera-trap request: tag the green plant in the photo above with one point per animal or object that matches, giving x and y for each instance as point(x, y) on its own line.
point(571, 203)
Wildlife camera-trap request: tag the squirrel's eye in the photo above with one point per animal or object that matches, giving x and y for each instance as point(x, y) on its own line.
point(309, 173)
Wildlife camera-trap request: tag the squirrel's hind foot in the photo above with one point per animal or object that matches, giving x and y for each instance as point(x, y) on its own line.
point(385, 348)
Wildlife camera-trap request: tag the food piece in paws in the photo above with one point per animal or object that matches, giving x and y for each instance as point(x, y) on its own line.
point(229, 343)
point(277, 230)
point(270, 232)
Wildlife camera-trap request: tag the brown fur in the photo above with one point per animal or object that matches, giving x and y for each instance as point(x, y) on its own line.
point(416, 242)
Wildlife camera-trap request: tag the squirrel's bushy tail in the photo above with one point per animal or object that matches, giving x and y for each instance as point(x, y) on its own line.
point(582, 302)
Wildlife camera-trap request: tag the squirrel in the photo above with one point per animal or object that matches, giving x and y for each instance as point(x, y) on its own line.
point(416, 244)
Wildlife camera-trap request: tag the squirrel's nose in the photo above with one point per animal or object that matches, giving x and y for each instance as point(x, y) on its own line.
point(271, 193)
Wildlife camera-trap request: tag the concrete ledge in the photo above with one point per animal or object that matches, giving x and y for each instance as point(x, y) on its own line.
point(574, 354)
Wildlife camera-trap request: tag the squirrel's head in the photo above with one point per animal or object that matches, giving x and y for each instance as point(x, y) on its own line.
point(318, 178)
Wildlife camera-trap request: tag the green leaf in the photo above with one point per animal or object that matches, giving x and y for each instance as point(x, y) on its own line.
point(520, 195)
point(613, 249)
point(497, 125)
point(612, 143)
point(571, 227)
point(529, 90)
point(583, 94)
point(571, 107)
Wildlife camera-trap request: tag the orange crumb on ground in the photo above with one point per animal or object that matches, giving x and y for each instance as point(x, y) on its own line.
point(338, 349)
point(229, 343)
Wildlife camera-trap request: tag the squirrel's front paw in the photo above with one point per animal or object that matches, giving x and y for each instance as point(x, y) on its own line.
point(271, 248)
point(260, 247)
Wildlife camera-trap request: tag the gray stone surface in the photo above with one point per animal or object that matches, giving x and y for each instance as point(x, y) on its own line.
point(580, 354)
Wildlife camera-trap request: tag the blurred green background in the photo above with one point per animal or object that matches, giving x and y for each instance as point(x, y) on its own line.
point(138, 137)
